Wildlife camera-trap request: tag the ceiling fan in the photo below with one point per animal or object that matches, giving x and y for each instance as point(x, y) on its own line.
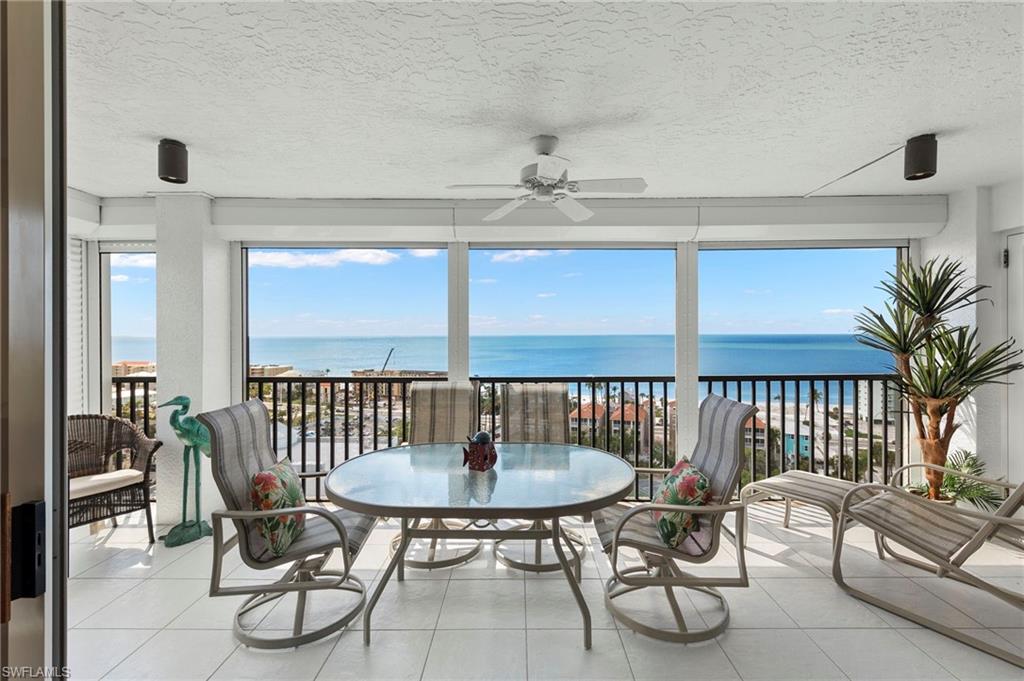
point(547, 179)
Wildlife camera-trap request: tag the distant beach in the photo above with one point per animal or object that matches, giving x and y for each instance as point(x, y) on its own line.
point(618, 355)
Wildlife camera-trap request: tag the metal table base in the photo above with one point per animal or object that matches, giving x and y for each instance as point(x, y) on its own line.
point(571, 568)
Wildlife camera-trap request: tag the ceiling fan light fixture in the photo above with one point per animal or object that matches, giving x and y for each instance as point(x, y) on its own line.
point(919, 157)
point(172, 161)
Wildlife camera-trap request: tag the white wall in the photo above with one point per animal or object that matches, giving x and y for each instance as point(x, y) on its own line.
point(975, 236)
point(1008, 205)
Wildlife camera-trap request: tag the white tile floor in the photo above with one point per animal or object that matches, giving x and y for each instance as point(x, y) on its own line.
point(142, 612)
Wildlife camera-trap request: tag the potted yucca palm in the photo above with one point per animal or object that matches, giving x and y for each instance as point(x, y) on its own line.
point(938, 364)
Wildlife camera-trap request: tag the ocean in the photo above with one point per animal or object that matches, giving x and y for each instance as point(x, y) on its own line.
point(625, 355)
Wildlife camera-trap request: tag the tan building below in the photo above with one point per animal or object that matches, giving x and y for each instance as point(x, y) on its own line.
point(132, 367)
point(268, 370)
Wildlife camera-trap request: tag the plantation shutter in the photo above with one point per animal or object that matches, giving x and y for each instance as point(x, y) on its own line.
point(76, 327)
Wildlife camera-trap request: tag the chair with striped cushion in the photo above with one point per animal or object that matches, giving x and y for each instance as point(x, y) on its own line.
point(441, 411)
point(944, 536)
point(719, 455)
point(240, 439)
point(537, 412)
point(813, 489)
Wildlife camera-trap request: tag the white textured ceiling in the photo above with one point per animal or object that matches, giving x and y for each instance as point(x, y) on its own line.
point(399, 99)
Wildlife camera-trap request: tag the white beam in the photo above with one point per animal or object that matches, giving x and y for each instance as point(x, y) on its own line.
point(623, 221)
point(686, 355)
point(826, 218)
point(458, 310)
point(83, 213)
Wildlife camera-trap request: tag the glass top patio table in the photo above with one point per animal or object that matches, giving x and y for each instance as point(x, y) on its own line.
point(529, 480)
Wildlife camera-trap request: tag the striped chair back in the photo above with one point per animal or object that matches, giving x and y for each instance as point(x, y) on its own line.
point(719, 453)
point(240, 447)
point(442, 411)
point(535, 412)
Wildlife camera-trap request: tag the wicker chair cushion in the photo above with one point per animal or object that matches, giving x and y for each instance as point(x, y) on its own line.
point(683, 486)
point(535, 412)
point(87, 485)
point(441, 411)
point(278, 488)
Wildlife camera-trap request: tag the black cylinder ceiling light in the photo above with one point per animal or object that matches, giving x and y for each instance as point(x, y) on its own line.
point(919, 157)
point(919, 160)
point(172, 164)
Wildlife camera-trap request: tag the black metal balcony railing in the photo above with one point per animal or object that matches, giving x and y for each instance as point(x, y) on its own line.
point(848, 426)
point(134, 398)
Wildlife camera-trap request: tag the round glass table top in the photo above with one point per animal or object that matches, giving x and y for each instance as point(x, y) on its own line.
point(529, 481)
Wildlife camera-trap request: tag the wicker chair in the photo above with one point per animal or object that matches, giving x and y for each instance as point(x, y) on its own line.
point(240, 447)
point(108, 469)
point(441, 411)
point(719, 454)
point(538, 412)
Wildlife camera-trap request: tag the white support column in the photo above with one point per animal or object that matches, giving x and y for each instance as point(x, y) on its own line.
point(687, 403)
point(105, 369)
point(193, 331)
point(458, 310)
point(97, 379)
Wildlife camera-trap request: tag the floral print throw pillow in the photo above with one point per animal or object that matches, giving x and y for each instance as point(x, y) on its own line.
point(278, 487)
point(683, 486)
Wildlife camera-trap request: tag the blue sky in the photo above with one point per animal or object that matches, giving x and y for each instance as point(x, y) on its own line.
point(366, 292)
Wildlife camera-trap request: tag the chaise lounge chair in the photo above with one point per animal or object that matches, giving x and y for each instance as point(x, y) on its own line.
point(945, 536)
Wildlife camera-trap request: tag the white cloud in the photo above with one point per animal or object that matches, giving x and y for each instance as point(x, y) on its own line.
point(484, 281)
point(757, 291)
point(563, 251)
point(838, 312)
point(124, 278)
point(133, 260)
point(291, 260)
point(519, 255)
point(535, 317)
point(424, 252)
point(476, 320)
point(572, 275)
point(546, 295)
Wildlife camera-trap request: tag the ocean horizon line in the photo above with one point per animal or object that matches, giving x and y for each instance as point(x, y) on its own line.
point(534, 335)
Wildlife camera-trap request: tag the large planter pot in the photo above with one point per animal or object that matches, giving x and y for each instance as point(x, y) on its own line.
point(942, 500)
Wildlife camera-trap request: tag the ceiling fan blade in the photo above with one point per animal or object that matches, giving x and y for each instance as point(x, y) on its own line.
point(629, 185)
point(572, 208)
point(551, 167)
point(507, 208)
point(484, 186)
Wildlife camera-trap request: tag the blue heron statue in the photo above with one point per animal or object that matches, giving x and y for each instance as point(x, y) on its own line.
point(196, 438)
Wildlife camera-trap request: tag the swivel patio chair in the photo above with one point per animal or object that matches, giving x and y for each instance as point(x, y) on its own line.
point(719, 454)
point(240, 438)
point(441, 411)
point(945, 536)
point(537, 412)
point(108, 469)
